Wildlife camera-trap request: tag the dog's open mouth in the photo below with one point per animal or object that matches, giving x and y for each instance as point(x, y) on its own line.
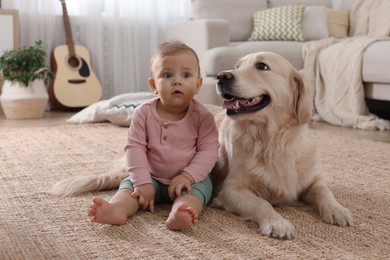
point(237, 105)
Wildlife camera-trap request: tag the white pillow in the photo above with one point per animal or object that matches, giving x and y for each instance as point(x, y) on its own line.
point(274, 3)
point(121, 114)
point(314, 23)
point(347, 4)
point(117, 110)
point(237, 13)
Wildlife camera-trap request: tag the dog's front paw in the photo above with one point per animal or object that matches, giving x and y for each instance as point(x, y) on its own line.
point(277, 227)
point(336, 214)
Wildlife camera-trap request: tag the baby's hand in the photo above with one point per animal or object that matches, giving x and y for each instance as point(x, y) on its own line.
point(145, 196)
point(184, 180)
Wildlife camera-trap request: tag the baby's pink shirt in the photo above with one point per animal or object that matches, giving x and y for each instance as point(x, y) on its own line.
point(162, 149)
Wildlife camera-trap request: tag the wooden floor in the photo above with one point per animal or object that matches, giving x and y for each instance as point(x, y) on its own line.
point(59, 118)
point(49, 119)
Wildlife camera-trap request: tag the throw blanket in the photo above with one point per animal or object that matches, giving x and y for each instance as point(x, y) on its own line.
point(333, 71)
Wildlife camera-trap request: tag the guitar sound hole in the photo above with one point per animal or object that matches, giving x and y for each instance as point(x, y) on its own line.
point(73, 62)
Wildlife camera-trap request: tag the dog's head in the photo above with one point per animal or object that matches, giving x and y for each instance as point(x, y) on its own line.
point(264, 83)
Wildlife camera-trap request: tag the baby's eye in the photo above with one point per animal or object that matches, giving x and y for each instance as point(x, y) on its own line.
point(167, 75)
point(186, 75)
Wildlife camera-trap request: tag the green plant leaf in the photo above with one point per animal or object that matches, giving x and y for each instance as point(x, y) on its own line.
point(21, 64)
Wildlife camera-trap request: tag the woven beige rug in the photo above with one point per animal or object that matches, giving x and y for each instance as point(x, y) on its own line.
point(34, 225)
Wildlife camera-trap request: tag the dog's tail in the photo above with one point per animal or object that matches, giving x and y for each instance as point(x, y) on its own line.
point(80, 184)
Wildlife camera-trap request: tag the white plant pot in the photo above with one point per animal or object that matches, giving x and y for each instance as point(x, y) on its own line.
point(21, 102)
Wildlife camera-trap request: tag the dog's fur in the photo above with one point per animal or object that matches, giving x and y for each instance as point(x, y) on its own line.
point(266, 156)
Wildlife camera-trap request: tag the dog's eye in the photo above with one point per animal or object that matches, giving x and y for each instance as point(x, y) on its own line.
point(261, 66)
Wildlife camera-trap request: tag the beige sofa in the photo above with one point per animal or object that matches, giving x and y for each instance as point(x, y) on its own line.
point(220, 29)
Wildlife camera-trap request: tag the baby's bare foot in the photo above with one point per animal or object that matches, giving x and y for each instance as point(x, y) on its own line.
point(105, 212)
point(181, 217)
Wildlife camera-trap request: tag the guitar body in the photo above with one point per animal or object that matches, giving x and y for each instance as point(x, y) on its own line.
point(75, 85)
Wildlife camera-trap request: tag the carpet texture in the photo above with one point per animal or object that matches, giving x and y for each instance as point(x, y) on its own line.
point(35, 225)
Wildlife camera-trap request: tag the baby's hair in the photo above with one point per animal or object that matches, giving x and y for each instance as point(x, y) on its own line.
point(169, 48)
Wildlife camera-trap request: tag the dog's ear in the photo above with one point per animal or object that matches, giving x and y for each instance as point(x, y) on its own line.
point(302, 104)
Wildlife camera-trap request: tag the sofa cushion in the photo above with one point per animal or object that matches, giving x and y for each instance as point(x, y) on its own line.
point(376, 62)
point(378, 91)
point(278, 23)
point(240, 23)
point(338, 23)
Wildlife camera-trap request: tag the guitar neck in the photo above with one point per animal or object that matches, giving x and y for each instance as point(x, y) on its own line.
point(68, 30)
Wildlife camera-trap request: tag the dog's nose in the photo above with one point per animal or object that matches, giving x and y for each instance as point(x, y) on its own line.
point(225, 77)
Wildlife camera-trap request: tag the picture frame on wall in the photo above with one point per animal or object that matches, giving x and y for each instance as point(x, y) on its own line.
point(9, 34)
point(9, 29)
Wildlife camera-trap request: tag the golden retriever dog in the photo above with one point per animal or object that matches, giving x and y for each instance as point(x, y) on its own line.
point(266, 156)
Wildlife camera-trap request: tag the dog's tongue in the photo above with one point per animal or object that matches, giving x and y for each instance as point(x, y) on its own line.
point(236, 103)
point(229, 104)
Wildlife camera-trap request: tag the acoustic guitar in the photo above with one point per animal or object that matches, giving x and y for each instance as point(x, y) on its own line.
point(75, 85)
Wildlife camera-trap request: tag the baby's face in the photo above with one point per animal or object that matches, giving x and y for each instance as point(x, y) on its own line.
point(176, 78)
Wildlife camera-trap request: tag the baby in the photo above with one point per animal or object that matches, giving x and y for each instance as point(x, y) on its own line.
point(172, 145)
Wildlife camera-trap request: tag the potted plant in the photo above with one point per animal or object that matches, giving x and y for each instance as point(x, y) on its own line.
point(24, 93)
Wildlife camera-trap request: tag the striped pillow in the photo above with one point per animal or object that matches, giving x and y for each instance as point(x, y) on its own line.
point(279, 23)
